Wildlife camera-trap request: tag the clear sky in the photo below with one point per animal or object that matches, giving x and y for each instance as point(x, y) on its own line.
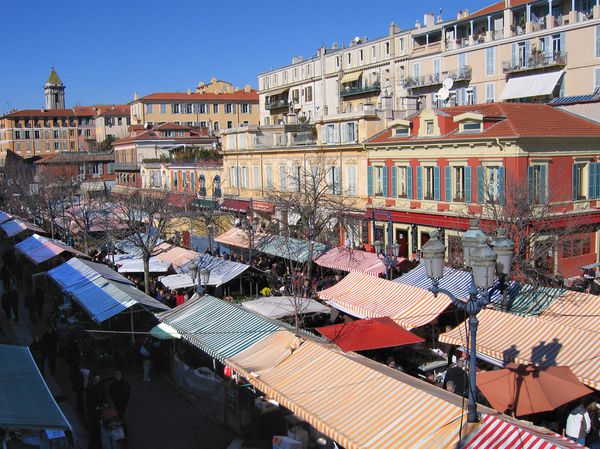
point(104, 51)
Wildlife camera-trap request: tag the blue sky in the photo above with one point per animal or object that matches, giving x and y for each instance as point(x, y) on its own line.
point(105, 51)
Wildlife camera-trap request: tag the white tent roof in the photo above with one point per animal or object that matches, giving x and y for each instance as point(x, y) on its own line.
point(275, 307)
point(131, 265)
point(531, 85)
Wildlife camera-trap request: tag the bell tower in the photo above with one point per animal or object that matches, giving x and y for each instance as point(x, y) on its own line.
point(54, 91)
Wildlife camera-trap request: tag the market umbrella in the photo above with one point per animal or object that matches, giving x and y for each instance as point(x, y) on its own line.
point(527, 389)
point(373, 333)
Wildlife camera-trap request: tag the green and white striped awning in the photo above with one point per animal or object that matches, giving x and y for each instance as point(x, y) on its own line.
point(219, 328)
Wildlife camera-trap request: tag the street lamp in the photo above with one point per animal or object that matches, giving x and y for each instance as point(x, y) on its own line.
point(484, 264)
point(209, 230)
point(200, 276)
point(390, 256)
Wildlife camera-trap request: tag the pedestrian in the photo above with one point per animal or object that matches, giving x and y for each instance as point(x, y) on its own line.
point(13, 298)
point(50, 347)
point(76, 377)
point(146, 355)
point(578, 424)
point(95, 399)
point(31, 306)
point(179, 298)
point(118, 392)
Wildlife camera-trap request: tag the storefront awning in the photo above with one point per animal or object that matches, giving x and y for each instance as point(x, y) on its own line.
point(217, 327)
point(26, 400)
point(235, 205)
point(374, 333)
point(507, 337)
point(365, 296)
point(345, 259)
point(531, 86)
point(276, 92)
point(351, 77)
point(101, 296)
point(276, 307)
point(4, 216)
point(16, 226)
point(39, 249)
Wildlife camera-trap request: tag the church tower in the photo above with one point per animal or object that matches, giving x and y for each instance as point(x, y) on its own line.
point(54, 90)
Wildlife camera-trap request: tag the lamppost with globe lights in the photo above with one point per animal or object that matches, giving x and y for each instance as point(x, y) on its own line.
point(200, 276)
point(390, 256)
point(484, 264)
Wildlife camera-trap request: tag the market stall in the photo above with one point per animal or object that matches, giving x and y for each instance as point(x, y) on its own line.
point(16, 226)
point(39, 249)
point(276, 307)
point(346, 259)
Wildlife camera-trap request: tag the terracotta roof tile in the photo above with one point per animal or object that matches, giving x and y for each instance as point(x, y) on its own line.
point(495, 7)
point(239, 95)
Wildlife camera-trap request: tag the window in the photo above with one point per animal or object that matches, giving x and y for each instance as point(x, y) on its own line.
point(429, 126)
point(490, 61)
point(245, 177)
point(401, 46)
point(558, 44)
point(229, 124)
point(330, 133)
point(403, 182)
point(416, 70)
point(175, 108)
point(269, 176)
point(256, 177)
point(246, 108)
point(471, 95)
point(462, 61)
point(163, 108)
point(215, 108)
point(282, 178)
point(538, 182)
point(380, 180)
point(334, 182)
point(349, 59)
point(579, 178)
point(490, 92)
point(297, 178)
point(296, 96)
point(597, 41)
point(36, 134)
point(596, 78)
point(216, 126)
point(18, 134)
point(429, 183)
point(57, 145)
point(374, 53)
point(349, 132)
point(337, 62)
point(202, 108)
point(387, 48)
point(229, 108)
point(56, 134)
point(233, 176)
point(437, 69)
point(402, 131)
point(351, 179)
point(462, 183)
point(471, 127)
point(361, 56)
point(217, 186)
point(308, 93)
point(578, 246)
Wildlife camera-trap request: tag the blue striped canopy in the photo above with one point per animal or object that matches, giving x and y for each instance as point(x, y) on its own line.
point(101, 297)
point(455, 281)
point(4, 216)
point(219, 328)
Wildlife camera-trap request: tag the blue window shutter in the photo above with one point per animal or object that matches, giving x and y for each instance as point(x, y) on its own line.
point(394, 181)
point(543, 184)
point(370, 180)
point(514, 54)
point(436, 183)
point(576, 182)
point(420, 183)
point(448, 183)
point(527, 49)
point(409, 182)
point(597, 180)
point(594, 177)
point(193, 181)
point(480, 184)
point(547, 46)
point(467, 184)
point(531, 181)
point(501, 185)
point(563, 43)
point(385, 182)
point(598, 41)
point(474, 88)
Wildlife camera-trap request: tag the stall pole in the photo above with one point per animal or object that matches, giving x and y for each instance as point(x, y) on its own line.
point(131, 322)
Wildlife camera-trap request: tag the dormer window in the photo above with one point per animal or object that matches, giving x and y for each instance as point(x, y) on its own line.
point(402, 131)
point(471, 127)
point(429, 127)
point(469, 122)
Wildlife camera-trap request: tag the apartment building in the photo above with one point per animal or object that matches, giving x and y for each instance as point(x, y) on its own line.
point(442, 166)
point(512, 50)
point(112, 121)
point(209, 108)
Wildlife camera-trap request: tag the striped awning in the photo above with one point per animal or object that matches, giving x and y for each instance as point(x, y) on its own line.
point(39, 249)
point(366, 296)
point(174, 255)
point(345, 259)
point(351, 77)
point(4, 216)
point(235, 237)
point(16, 226)
point(507, 337)
point(575, 309)
point(217, 327)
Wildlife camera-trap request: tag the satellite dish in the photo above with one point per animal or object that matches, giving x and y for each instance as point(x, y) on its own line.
point(448, 83)
point(443, 94)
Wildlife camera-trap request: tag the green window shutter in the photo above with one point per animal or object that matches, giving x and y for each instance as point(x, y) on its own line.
point(597, 180)
point(420, 183)
point(467, 184)
point(480, 184)
point(543, 184)
point(370, 180)
point(576, 182)
point(436, 183)
point(501, 185)
point(394, 181)
point(592, 183)
point(385, 182)
point(409, 182)
point(448, 183)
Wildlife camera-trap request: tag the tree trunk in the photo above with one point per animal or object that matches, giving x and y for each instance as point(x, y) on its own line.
point(146, 258)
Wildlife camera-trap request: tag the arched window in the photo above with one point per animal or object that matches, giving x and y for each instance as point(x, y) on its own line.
point(217, 186)
point(201, 185)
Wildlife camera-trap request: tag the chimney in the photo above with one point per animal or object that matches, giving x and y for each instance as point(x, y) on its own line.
point(506, 3)
point(428, 20)
point(394, 29)
point(247, 88)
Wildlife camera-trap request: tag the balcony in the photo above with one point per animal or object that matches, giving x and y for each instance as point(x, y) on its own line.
point(126, 166)
point(534, 62)
point(350, 91)
point(437, 79)
point(277, 104)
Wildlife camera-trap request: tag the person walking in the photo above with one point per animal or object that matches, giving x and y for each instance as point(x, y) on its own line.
point(95, 399)
point(76, 377)
point(578, 424)
point(31, 306)
point(13, 297)
point(50, 348)
point(146, 354)
point(119, 391)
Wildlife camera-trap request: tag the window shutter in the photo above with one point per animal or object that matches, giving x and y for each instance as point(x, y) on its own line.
point(480, 184)
point(336, 134)
point(547, 46)
point(563, 43)
point(370, 180)
point(576, 182)
point(385, 182)
point(531, 181)
point(448, 183)
point(100, 168)
point(467, 184)
point(597, 180)
point(474, 88)
point(193, 181)
point(597, 41)
point(420, 183)
point(409, 182)
point(543, 185)
point(592, 181)
point(436, 183)
point(527, 51)
point(514, 54)
point(394, 182)
point(597, 80)
point(501, 185)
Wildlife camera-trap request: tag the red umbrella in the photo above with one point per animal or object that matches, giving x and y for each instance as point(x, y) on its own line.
point(527, 389)
point(374, 333)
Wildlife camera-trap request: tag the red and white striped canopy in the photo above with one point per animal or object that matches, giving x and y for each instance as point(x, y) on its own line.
point(575, 309)
point(345, 259)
